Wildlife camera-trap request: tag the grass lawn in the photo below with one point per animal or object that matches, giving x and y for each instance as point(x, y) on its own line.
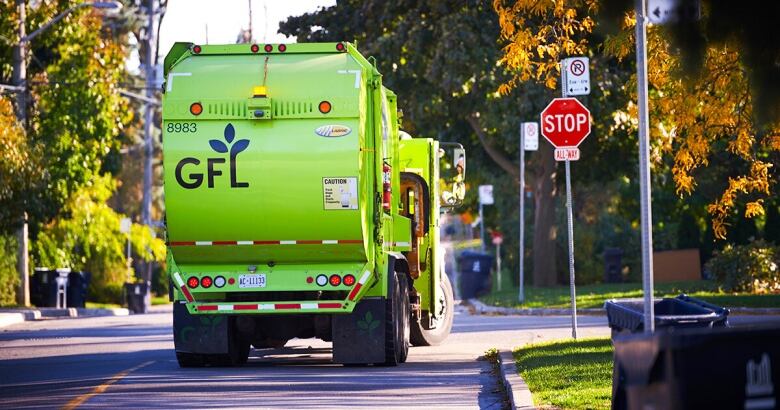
point(593, 296)
point(568, 375)
point(156, 300)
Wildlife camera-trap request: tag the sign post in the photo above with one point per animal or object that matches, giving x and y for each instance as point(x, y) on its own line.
point(565, 124)
point(498, 239)
point(529, 141)
point(485, 198)
point(646, 219)
point(124, 227)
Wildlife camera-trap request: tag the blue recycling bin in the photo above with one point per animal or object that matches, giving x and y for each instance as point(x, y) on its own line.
point(474, 269)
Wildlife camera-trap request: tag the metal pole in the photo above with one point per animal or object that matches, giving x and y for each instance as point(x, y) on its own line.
point(498, 264)
point(521, 246)
point(481, 228)
point(646, 220)
point(19, 79)
point(570, 225)
point(570, 220)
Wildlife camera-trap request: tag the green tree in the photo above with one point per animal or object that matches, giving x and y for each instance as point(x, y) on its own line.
point(440, 58)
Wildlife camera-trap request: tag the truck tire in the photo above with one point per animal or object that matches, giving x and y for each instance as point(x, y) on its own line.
point(421, 336)
point(397, 330)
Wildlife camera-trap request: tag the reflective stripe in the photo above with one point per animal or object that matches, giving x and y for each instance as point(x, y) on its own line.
point(365, 277)
point(224, 307)
point(330, 242)
point(245, 242)
point(287, 242)
point(203, 243)
point(309, 306)
point(265, 306)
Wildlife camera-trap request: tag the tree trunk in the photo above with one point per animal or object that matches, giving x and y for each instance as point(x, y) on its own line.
point(544, 273)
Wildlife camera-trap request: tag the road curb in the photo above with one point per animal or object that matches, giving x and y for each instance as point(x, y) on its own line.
point(483, 309)
point(8, 319)
point(516, 390)
point(479, 308)
point(13, 316)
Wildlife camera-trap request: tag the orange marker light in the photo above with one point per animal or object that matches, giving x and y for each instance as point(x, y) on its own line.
point(196, 108)
point(325, 107)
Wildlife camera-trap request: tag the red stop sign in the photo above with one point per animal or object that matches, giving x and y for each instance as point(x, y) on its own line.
point(565, 122)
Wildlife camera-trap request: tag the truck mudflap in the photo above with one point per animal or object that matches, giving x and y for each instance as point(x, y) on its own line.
point(193, 307)
point(199, 334)
point(359, 337)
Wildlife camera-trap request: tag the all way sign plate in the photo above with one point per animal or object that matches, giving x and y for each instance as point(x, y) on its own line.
point(567, 154)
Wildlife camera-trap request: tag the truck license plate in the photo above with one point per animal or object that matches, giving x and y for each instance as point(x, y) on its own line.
point(251, 281)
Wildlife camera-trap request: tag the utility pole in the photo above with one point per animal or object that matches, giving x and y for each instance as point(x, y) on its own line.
point(251, 33)
point(19, 79)
point(149, 73)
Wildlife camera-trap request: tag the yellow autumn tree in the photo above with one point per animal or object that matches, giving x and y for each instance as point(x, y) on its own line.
point(692, 121)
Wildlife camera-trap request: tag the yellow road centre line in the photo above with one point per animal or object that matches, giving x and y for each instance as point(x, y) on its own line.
point(78, 401)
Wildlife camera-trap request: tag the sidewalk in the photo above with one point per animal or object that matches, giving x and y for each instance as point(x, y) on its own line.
point(17, 315)
point(478, 308)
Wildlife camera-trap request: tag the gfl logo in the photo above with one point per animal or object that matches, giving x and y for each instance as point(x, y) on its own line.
point(195, 179)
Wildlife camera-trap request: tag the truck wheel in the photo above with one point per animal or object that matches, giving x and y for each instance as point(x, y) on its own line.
point(397, 321)
point(190, 360)
point(421, 336)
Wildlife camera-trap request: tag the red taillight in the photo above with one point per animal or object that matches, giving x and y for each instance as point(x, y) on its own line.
point(349, 280)
point(196, 108)
point(192, 282)
point(206, 282)
point(325, 107)
point(340, 47)
point(196, 49)
point(255, 48)
point(268, 48)
point(282, 48)
point(335, 280)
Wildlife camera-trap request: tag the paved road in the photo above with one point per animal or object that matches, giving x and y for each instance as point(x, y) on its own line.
point(120, 362)
point(52, 363)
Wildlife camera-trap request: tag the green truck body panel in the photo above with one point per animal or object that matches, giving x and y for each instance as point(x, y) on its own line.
point(261, 182)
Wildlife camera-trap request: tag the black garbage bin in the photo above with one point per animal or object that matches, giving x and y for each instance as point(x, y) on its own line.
point(43, 287)
point(137, 296)
point(627, 315)
point(78, 282)
point(474, 268)
point(613, 265)
point(723, 368)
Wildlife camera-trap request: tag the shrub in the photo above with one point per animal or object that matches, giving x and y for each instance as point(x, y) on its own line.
point(747, 268)
point(87, 238)
point(9, 279)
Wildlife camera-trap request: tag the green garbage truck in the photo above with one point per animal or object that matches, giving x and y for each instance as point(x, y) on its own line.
point(296, 208)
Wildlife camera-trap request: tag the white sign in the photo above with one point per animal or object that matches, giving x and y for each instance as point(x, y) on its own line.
point(576, 75)
point(486, 194)
point(567, 153)
point(530, 136)
point(124, 225)
point(339, 193)
point(672, 11)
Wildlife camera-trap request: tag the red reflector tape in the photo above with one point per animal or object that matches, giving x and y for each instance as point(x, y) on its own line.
point(330, 305)
point(288, 305)
point(245, 307)
point(187, 294)
point(208, 307)
point(355, 291)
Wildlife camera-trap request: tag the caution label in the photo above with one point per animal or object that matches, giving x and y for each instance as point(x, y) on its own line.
point(339, 193)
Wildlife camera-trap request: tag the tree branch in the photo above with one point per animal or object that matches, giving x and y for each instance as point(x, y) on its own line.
point(497, 156)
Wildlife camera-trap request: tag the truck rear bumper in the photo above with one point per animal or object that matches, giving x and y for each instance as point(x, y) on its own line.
point(274, 307)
